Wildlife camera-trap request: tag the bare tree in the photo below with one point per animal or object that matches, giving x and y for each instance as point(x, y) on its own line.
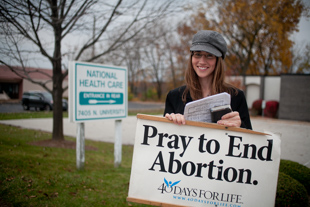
point(42, 29)
point(304, 65)
point(300, 58)
point(156, 57)
point(150, 56)
point(129, 55)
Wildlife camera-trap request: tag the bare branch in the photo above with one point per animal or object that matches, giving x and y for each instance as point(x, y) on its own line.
point(101, 32)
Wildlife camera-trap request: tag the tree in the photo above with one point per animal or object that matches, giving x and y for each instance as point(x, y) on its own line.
point(155, 56)
point(257, 32)
point(149, 60)
point(129, 55)
point(177, 50)
point(42, 28)
point(304, 57)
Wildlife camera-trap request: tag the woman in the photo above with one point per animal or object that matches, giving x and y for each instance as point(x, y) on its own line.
point(204, 77)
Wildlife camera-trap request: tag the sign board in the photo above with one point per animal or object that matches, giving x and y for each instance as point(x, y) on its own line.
point(97, 92)
point(202, 164)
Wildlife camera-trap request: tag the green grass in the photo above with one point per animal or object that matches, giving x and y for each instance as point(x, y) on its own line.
point(29, 115)
point(45, 114)
point(42, 176)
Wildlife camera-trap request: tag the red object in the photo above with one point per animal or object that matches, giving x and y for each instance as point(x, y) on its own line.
point(257, 106)
point(271, 109)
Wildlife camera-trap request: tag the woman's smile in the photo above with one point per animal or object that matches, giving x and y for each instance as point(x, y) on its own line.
point(202, 67)
point(203, 63)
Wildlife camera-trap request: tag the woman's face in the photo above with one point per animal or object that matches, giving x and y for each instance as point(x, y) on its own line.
point(203, 63)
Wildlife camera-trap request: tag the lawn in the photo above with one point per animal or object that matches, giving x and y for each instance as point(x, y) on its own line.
point(49, 114)
point(45, 176)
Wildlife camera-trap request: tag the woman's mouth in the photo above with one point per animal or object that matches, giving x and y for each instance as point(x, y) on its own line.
point(202, 68)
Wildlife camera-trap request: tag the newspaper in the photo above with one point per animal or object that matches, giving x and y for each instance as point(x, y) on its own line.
point(200, 110)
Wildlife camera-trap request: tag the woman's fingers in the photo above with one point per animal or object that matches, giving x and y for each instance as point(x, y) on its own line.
point(231, 119)
point(176, 118)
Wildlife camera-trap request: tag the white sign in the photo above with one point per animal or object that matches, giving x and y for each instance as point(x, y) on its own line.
point(202, 164)
point(97, 92)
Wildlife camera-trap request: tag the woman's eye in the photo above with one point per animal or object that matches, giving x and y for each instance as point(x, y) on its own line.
point(198, 55)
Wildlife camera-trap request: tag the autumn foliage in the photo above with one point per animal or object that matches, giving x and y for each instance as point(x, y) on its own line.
point(257, 32)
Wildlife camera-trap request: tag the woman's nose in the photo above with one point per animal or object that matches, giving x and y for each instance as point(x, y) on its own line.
point(203, 59)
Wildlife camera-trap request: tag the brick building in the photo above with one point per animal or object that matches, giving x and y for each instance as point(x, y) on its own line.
point(12, 86)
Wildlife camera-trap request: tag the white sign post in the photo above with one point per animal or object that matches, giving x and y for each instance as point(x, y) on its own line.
point(80, 146)
point(202, 164)
point(97, 92)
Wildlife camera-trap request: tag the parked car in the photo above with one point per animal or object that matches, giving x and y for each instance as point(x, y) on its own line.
point(40, 100)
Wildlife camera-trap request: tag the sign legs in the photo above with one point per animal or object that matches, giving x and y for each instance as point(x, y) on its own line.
point(80, 146)
point(118, 143)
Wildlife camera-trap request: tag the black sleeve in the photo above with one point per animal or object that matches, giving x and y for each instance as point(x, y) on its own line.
point(238, 103)
point(174, 103)
point(168, 105)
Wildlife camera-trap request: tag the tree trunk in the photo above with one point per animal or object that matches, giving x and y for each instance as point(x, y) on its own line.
point(57, 80)
point(57, 97)
point(57, 109)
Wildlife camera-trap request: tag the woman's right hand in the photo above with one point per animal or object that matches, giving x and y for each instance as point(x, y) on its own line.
point(176, 118)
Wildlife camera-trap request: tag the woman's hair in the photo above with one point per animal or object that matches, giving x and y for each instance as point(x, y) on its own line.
point(218, 84)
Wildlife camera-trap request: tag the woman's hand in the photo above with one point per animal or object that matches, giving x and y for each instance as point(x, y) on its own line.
point(231, 119)
point(176, 118)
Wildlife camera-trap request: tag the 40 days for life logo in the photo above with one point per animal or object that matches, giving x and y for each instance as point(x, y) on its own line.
point(199, 195)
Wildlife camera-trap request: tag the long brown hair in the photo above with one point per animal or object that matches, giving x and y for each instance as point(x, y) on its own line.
point(218, 83)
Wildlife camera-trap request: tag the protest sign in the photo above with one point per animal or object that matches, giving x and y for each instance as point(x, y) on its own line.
point(202, 164)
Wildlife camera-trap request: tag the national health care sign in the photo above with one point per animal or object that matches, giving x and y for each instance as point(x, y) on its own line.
point(97, 92)
point(202, 164)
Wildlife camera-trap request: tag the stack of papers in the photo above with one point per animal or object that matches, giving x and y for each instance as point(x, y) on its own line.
point(200, 110)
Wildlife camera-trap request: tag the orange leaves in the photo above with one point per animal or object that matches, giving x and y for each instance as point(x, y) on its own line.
point(257, 32)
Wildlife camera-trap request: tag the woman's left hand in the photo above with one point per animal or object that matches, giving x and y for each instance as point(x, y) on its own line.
point(231, 119)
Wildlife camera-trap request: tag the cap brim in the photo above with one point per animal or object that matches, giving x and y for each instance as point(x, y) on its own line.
point(206, 48)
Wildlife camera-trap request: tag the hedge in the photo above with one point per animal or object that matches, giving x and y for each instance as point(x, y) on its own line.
point(297, 171)
point(290, 192)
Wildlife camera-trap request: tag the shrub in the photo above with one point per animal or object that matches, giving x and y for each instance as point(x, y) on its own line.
point(290, 192)
point(151, 94)
point(271, 109)
point(297, 171)
point(257, 107)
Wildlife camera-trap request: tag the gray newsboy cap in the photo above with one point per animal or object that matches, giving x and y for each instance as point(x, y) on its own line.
point(209, 41)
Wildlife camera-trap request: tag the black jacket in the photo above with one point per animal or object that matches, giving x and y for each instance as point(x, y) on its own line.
point(174, 104)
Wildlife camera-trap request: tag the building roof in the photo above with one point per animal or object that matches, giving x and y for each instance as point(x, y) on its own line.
point(7, 74)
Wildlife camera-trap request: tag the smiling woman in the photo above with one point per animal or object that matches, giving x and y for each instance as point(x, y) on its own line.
point(204, 77)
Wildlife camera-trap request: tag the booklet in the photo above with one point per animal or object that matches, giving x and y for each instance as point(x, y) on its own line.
point(219, 111)
point(199, 110)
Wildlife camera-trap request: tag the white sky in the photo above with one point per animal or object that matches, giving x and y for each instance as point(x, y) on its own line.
point(303, 36)
point(301, 39)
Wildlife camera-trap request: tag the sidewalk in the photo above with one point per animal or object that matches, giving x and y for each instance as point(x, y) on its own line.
point(295, 139)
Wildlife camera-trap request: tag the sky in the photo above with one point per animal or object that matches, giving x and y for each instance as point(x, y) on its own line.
point(304, 32)
point(301, 38)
